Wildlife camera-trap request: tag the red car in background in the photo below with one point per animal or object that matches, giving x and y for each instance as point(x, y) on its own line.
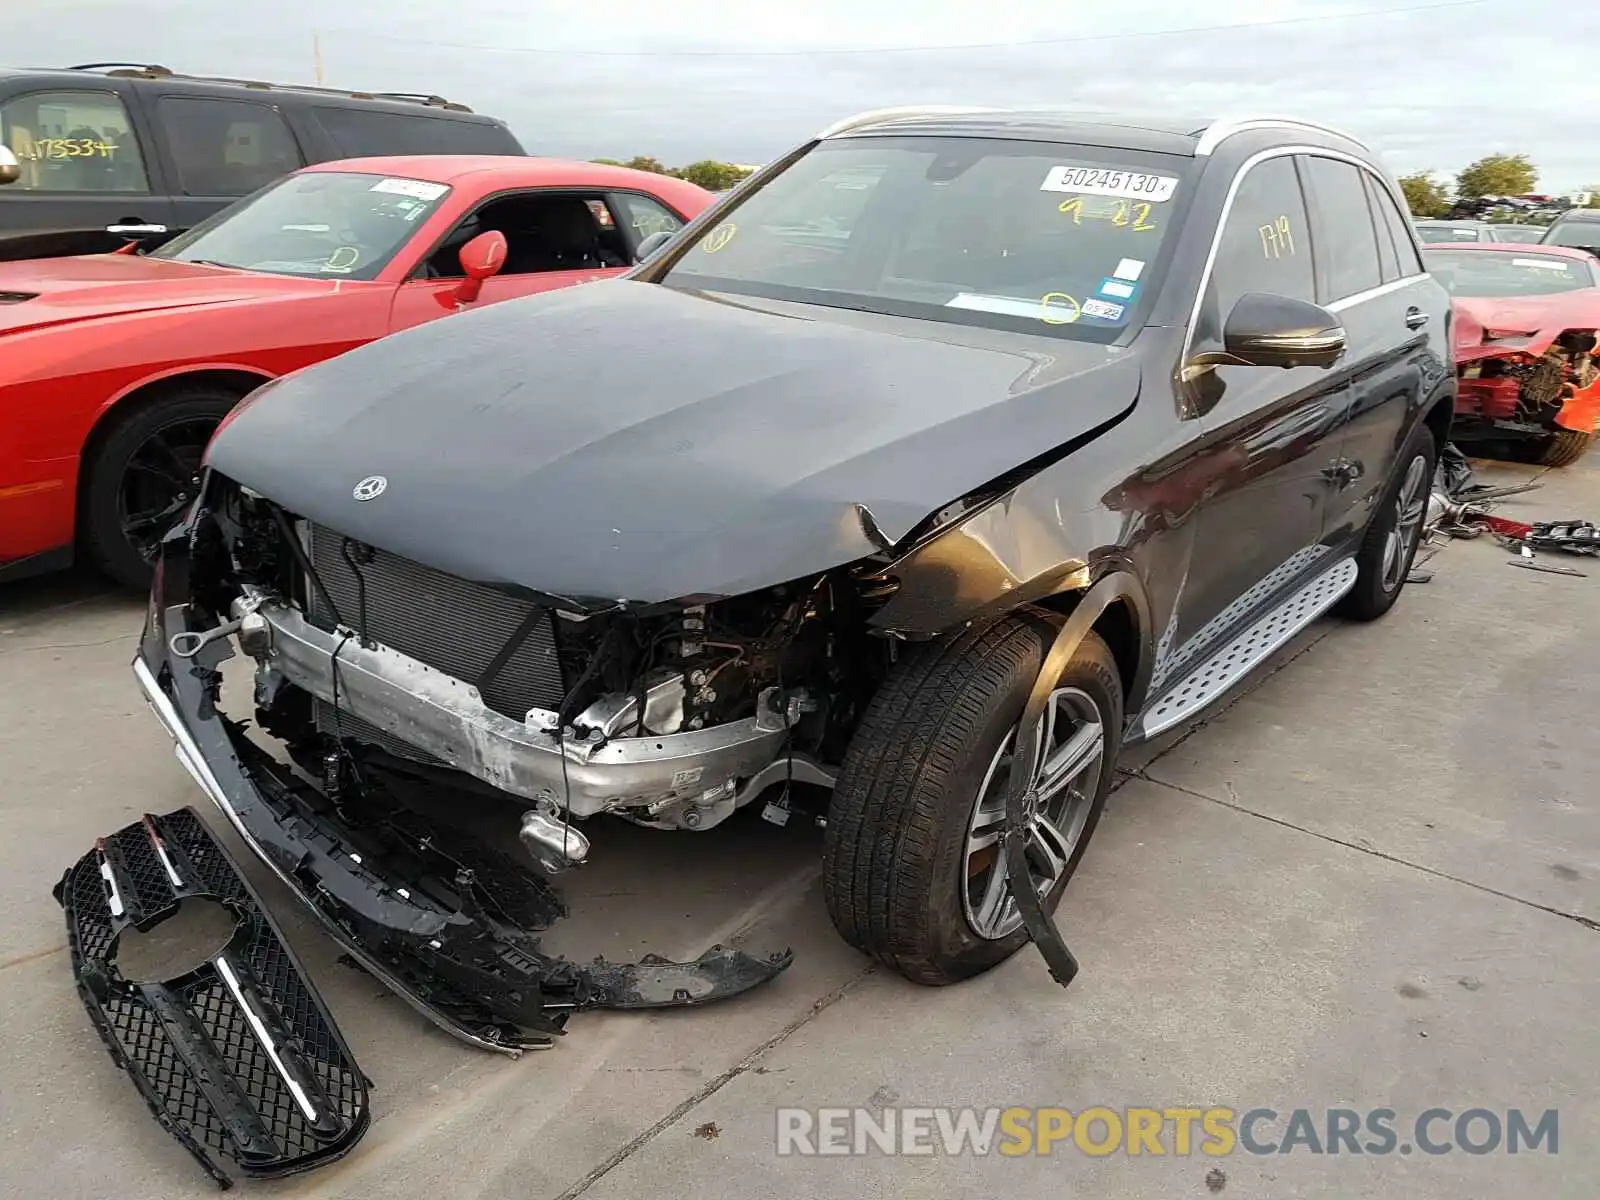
point(116, 368)
point(1527, 343)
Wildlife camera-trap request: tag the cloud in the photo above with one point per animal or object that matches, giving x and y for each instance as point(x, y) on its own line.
point(1430, 89)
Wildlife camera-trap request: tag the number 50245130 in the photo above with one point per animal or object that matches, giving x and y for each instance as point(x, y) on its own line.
point(1103, 181)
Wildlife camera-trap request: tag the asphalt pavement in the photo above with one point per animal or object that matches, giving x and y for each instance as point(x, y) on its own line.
point(1370, 881)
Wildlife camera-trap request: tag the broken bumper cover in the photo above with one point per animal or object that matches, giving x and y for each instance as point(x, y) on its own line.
point(454, 939)
point(236, 1057)
point(447, 718)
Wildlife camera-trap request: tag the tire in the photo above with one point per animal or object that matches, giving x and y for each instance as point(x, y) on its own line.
point(1381, 579)
point(1563, 448)
point(897, 876)
point(141, 458)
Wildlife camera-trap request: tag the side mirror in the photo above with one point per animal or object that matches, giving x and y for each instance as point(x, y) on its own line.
point(10, 168)
point(481, 258)
point(1276, 331)
point(651, 246)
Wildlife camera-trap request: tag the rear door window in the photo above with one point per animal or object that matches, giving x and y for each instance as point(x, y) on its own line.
point(73, 142)
point(1388, 260)
point(358, 132)
point(226, 147)
point(1388, 215)
point(1346, 240)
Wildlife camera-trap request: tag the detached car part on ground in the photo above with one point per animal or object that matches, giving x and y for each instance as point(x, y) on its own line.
point(947, 455)
point(1527, 335)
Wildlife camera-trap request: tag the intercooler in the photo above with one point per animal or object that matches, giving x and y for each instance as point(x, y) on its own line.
point(452, 624)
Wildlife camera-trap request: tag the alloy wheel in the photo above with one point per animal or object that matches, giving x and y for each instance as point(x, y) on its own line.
point(158, 481)
point(1065, 779)
point(1411, 503)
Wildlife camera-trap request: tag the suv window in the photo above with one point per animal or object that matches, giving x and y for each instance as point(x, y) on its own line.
point(73, 142)
point(1264, 245)
point(1388, 260)
point(226, 147)
point(644, 216)
point(1346, 240)
point(1390, 217)
point(358, 132)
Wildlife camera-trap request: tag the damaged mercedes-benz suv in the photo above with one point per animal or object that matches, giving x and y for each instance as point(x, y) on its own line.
point(939, 460)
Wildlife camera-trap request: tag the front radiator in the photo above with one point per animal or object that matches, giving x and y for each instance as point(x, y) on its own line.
point(452, 624)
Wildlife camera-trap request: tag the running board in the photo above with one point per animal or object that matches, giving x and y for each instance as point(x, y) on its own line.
point(1235, 659)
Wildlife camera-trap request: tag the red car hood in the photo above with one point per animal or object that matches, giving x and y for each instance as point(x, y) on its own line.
point(59, 291)
point(1522, 324)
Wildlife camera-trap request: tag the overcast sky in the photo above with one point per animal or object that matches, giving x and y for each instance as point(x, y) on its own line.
point(742, 81)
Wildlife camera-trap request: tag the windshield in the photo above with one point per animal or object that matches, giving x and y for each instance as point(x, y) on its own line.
point(1573, 233)
point(1516, 233)
point(321, 223)
point(1447, 233)
point(1008, 234)
point(1508, 273)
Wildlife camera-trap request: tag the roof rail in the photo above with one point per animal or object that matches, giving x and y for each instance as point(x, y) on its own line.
point(155, 71)
point(905, 110)
point(1214, 134)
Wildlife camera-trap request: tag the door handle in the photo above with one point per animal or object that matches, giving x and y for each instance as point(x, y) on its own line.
point(135, 229)
point(1415, 318)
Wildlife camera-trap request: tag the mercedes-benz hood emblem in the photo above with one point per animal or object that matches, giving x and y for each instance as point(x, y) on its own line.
point(370, 488)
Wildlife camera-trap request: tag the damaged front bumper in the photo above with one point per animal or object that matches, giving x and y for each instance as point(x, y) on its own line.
point(445, 922)
point(448, 719)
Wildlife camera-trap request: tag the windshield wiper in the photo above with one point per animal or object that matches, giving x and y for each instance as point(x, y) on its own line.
point(211, 262)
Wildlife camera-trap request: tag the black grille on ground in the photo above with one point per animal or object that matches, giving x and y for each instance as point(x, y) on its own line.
point(194, 1053)
point(452, 624)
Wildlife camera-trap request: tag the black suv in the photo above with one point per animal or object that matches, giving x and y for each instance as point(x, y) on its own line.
point(92, 156)
point(941, 459)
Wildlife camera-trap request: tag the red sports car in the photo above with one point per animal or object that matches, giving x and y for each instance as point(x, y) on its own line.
point(1527, 331)
point(115, 368)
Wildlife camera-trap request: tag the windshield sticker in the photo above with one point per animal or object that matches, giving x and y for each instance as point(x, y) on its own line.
point(1097, 181)
point(1103, 309)
point(1129, 269)
point(1544, 264)
point(1054, 308)
point(1277, 239)
point(417, 189)
point(1118, 288)
point(719, 237)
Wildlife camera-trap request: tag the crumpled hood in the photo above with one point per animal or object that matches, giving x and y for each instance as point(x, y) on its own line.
point(627, 441)
point(1533, 321)
point(61, 291)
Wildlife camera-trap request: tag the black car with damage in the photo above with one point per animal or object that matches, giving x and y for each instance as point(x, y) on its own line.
point(946, 456)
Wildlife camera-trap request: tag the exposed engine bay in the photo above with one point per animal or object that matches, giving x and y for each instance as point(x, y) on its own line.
point(1527, 387)
point(391, 694)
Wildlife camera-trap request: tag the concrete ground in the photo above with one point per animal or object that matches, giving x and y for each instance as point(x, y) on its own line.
point(1372, 880)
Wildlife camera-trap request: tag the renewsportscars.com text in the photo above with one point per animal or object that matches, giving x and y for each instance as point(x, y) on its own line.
point(1180, 1131)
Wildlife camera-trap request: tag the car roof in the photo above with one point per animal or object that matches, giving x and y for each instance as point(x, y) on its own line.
point(1454, 224)
point(1579, 214)
point(79, 78)
point(1168, 133)
point(512, 169)
point(1523, 248)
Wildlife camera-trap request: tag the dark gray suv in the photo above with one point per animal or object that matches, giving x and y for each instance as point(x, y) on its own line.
point(93, 156)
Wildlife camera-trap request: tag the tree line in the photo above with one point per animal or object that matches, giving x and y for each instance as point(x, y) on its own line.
point(707, 173)
point(1492, 175)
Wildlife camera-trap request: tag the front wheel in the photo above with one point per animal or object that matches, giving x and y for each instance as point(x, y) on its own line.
point(1392, 538)
point(913, 870)
point(1564, 447)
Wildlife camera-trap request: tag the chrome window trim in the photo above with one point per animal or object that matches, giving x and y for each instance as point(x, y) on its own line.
point(1227, 209)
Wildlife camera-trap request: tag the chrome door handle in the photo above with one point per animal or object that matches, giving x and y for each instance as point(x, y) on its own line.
point(135, 230)
point(1415, 318)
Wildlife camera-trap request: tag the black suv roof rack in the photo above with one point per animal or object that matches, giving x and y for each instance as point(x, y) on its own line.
point(156, 71)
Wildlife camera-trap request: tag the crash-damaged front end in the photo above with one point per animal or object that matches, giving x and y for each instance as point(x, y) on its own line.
point(425, 748)
point(1529, 367)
